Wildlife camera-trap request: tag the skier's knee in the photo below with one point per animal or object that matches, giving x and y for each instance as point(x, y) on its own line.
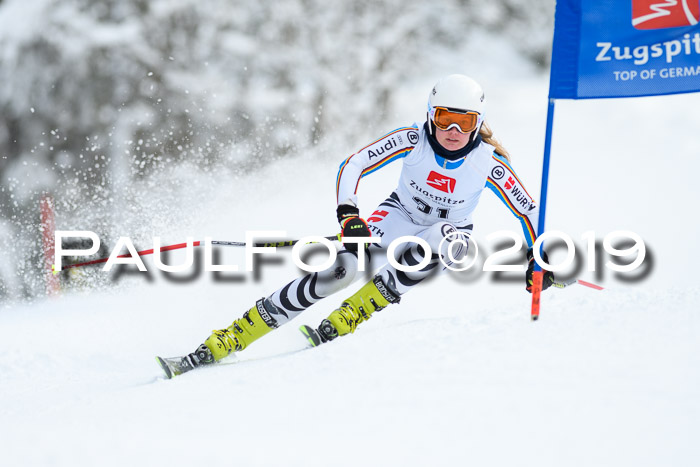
point(337, 277)
point(447, 241)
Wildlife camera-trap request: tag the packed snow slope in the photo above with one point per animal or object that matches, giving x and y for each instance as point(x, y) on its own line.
point(456, 374)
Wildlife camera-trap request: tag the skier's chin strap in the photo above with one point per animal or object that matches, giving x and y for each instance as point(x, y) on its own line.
point(442, 152)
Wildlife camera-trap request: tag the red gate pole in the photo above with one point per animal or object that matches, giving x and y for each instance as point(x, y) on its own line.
point(48, 227)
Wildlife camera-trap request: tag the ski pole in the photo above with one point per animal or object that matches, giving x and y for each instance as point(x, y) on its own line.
point(184, 245)
point(562, 285)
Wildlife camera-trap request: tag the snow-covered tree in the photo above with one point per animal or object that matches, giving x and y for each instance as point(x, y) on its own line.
point(98, 95)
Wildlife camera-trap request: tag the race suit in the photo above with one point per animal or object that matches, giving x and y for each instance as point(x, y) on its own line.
point(435, 198)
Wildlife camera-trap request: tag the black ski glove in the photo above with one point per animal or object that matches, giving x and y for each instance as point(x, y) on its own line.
point(547, 277)
point(352, 224)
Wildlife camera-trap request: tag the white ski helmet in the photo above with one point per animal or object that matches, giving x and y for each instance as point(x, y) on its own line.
point(457, 92)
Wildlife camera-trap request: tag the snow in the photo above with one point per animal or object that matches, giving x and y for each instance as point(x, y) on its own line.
point(456, 374)
point(602, 379)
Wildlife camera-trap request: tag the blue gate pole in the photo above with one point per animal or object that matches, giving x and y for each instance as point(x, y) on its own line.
point(537, 275)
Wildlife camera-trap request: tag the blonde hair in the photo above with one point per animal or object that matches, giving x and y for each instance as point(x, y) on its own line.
point(487, 136)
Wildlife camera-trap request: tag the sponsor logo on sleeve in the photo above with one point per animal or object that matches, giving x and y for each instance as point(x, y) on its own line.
point(382, 147)
point(377, 216)
point(517, 195)
point(391, 145)
point(498, 172)
point(376, 231)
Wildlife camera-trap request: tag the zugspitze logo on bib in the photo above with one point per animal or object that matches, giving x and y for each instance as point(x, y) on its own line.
point(441, 182)
point(661, 14)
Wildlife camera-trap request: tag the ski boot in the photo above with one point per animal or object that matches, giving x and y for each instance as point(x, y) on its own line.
point(254, 324)
point(373, 296)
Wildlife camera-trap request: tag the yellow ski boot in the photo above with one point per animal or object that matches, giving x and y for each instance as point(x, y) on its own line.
point(254, 324)
point(373, 296)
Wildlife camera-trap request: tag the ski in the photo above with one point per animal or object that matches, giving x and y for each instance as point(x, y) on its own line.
point(175, 366)
point(311, 335)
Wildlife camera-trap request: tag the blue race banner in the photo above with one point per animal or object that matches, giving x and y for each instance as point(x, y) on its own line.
point(625, 48)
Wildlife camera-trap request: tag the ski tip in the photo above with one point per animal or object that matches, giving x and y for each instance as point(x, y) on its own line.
point(311, 335)
point(165, 367)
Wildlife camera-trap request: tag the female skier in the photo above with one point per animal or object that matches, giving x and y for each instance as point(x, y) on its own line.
point(447, 164)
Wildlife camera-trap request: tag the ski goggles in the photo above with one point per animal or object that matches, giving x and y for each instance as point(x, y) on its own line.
point(464, 121)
